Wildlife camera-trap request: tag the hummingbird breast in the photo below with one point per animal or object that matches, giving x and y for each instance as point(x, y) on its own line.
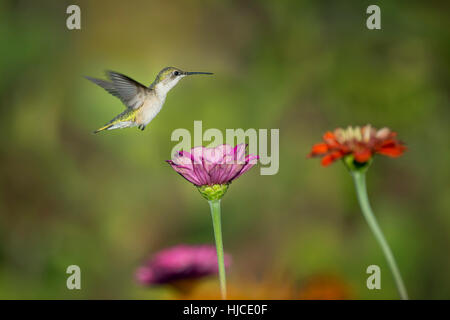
point(150, 108)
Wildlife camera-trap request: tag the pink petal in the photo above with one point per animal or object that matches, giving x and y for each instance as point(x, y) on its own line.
point(197, 155)
point(252, 160)
point(187, 173)
point(202, 174)
point(239, 153)
point(183, 159)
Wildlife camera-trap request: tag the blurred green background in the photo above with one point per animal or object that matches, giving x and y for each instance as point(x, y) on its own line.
point(106, 202)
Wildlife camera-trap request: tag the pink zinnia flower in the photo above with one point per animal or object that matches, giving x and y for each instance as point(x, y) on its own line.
point(212, 170)
point(210, 166)
point(182, 262)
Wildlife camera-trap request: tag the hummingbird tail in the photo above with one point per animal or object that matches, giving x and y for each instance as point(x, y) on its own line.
point(124, 120)
point(106, 127)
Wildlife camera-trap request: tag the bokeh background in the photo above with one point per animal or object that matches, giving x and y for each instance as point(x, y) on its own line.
point(107, 202)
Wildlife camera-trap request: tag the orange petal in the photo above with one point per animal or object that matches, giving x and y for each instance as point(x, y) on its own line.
point(331, 141)
point(363, 156)
point(330, 158)
point(391, 148)
point(337, 155)
point(319, 148)
point(392, 151)
point(327, 160)
point(328, 135)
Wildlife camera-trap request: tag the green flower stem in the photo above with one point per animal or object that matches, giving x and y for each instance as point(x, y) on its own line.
point(359, 177)
point(215, 213)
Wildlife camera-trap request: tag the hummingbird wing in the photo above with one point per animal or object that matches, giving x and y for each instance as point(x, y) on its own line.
point(129, 91)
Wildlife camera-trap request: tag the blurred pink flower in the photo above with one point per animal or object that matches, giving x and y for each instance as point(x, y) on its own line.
point(182, 262)
point(213, 166)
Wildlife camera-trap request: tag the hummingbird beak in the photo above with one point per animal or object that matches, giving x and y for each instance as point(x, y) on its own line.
point(191, 73)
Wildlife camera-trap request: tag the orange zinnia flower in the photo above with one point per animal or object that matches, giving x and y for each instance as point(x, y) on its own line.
point(362, 143)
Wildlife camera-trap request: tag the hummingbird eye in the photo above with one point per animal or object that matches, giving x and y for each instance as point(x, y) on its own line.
point(176, 73)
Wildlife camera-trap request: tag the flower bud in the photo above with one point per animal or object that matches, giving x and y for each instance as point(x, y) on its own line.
point(214, 192)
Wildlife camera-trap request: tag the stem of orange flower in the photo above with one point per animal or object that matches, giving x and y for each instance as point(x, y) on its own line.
point(215, 213)
point(359, 177)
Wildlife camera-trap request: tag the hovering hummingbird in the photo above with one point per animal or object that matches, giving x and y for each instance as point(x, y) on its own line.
point(142, 103)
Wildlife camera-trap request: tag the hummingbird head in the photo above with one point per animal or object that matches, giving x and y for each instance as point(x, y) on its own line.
point(168, 77)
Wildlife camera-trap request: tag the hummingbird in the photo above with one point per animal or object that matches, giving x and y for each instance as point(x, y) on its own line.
point(143, 103)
